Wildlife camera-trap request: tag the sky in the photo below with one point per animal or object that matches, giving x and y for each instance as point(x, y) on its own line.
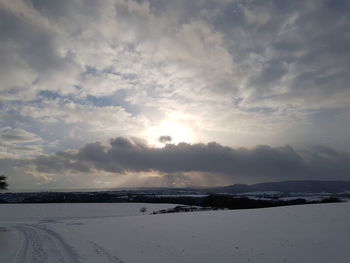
point(132, 93)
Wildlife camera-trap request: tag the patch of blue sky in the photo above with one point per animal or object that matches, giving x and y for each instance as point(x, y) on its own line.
point(264, 110)
point(94, 71)
point(117, 99)
point(50, 95)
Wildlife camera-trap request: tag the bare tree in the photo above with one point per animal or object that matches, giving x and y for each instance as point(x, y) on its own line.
point(3, 183)
point(143, 210)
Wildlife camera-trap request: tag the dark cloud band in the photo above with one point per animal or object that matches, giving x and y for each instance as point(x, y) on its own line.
point(128, 155)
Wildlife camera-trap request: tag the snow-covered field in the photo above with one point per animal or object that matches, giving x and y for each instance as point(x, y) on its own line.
point(120, 233)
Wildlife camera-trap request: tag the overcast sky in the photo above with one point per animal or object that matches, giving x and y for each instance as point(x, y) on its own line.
point(118, 93)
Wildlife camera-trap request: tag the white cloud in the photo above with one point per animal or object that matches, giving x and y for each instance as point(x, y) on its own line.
point(19, 143)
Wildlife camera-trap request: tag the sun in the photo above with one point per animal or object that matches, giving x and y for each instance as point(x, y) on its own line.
point(177, 131)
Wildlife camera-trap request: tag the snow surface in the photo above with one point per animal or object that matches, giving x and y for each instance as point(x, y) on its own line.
point(83, 210)
point(56, 233)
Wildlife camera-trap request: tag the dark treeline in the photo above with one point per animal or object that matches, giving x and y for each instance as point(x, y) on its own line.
point(215, 201)
point(231, 202)
point(220, 201)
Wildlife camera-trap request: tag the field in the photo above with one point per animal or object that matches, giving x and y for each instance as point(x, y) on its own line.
point(121, 233)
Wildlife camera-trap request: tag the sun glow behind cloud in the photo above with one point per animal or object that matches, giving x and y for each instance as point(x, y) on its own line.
point(177, 131)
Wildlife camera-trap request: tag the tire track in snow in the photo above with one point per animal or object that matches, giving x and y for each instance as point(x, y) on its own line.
point(23, 247)
point(41, 245)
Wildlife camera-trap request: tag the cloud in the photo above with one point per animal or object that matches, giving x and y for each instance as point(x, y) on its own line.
point(18, 142)
point(17, 135)
point(165, 139)
point(241, 73)
point(297, 53)
point(124, 155)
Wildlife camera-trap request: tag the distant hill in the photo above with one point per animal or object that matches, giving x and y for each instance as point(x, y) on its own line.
point(308, 186)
